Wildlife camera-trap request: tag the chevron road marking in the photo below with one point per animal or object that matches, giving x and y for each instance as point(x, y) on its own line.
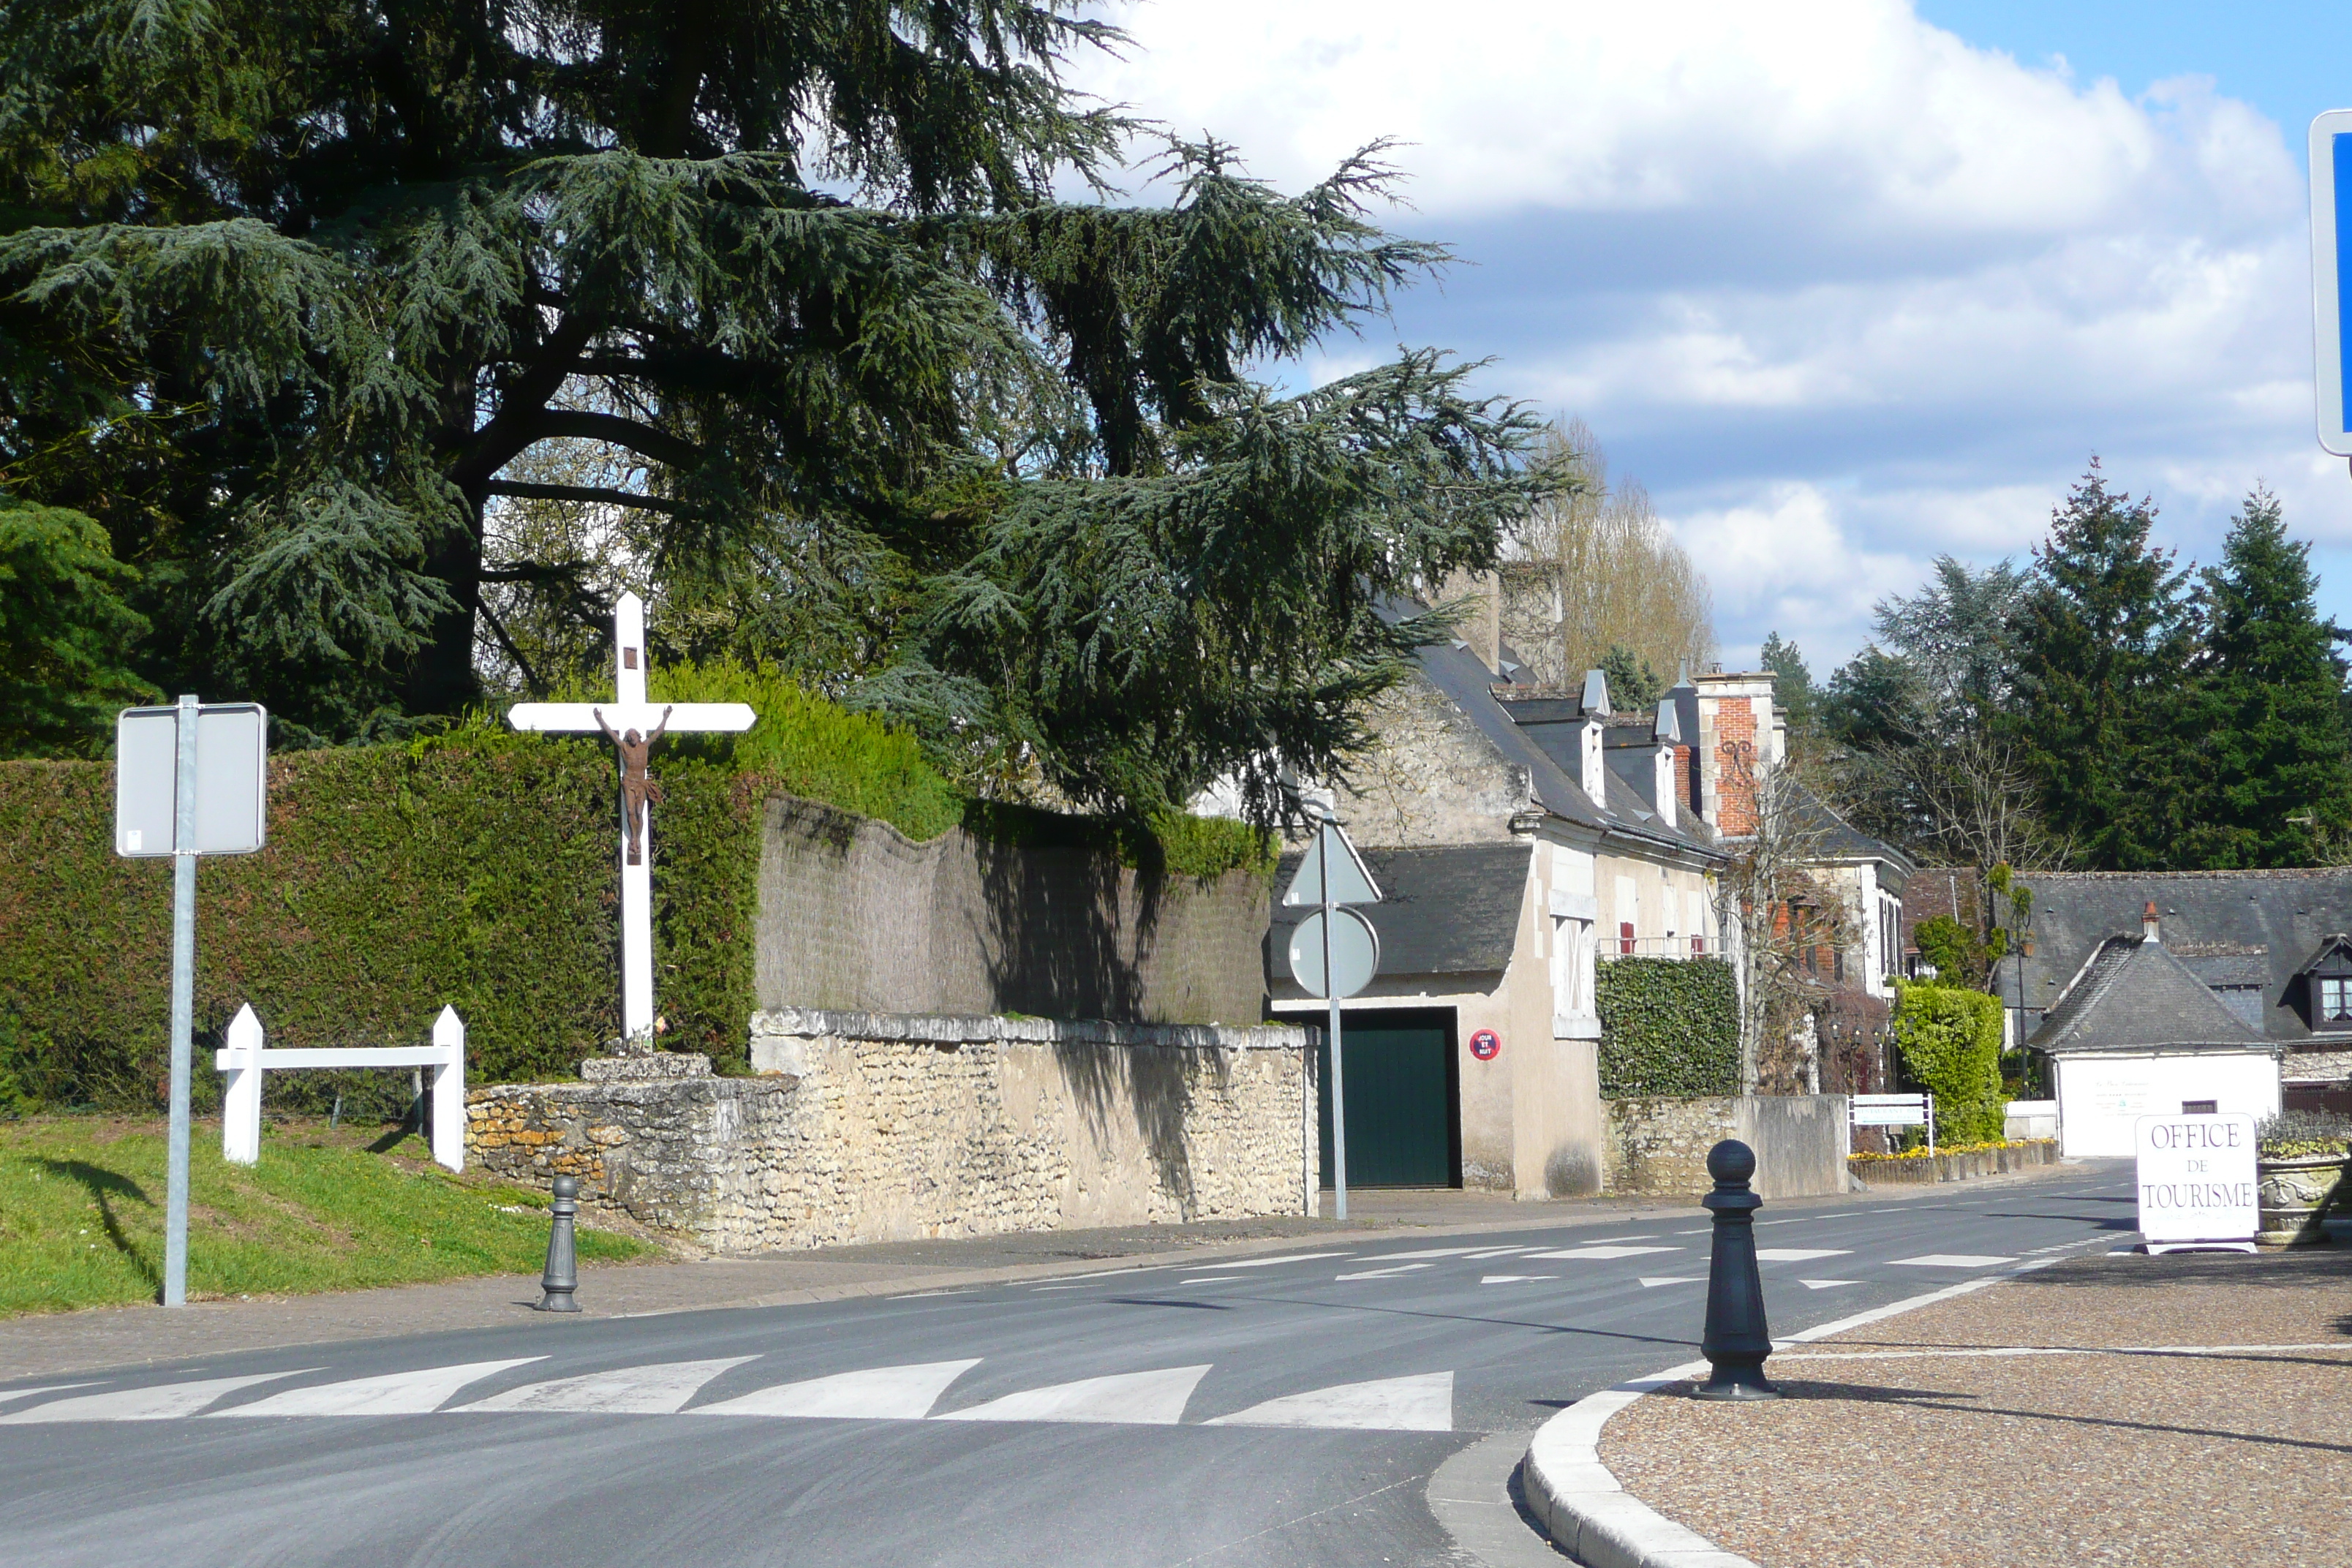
point(1827, 1283)
point(1652, 1281)
point(876, 1394)
point(163, 1403)
point(657, 1390)
point(1384, 1273)
point(1127, 1398)
point(397, 1393)
point(1420, 1404)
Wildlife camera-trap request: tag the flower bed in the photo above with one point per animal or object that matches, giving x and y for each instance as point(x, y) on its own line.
point(1958, 1164)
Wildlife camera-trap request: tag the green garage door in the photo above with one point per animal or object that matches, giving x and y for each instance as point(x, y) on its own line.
point(1401, 1109)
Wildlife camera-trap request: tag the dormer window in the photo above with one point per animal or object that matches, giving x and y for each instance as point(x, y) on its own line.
point(2336, 999)
point(2325, 982)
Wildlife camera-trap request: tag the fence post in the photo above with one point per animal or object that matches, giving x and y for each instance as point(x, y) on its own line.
point(241, 1095)
point(449, 1091)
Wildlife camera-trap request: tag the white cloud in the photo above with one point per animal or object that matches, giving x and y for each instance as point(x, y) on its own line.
point(1845, 290)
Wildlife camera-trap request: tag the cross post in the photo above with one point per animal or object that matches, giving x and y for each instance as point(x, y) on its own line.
point(633, 721)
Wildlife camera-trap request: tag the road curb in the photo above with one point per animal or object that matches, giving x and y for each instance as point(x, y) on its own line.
point(1589, 1514)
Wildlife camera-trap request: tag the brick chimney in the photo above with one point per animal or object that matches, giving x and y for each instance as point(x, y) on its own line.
point(2147, 925)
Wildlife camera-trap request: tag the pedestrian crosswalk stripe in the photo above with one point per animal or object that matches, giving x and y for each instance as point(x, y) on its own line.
point(395, 1393)
point(1952, 1261)
point(1652, 1281)
point(1603, 1254)
point(657, 1390)
point(1384, 1273)
point(1128, 1398)
point(1826, 1284)
point(1270, 1262)
point(876, 1394)
point(1800, 1254)
point(8, 1394)
point(162, 1401)
point(1512, 1278)
point(1419, 1404)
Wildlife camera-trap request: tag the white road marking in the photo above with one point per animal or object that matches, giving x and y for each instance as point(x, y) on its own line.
point(1513, 1279)
point(660, 1390)
point(1208, 1278)
point(1424, 1252)
point(1952, 1261)
point(1384, 1273)
point(1137, 1398)
point(1652, 1281)
point(1827, 1283)
point(1496, 1251)
point(1800, 1254)
point(161, 1402)
point(1270, 1262)
point(1603, 1254)
point(395, 1393)
point(874, 1393)
point(9, 1394)
point(1422, 1404)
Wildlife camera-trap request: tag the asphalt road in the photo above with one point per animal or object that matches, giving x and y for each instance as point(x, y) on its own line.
point(1078, 1421)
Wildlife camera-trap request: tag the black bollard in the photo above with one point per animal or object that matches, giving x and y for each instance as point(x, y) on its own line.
point(1737, 1339)
point(563, 1275)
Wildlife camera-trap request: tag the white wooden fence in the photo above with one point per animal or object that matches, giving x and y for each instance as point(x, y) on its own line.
point(243, 1060)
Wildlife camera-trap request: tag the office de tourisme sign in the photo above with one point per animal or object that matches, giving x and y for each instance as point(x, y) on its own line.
point(2197, 1182)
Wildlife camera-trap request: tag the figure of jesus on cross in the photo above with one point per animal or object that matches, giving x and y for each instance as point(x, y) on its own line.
point(632, 725)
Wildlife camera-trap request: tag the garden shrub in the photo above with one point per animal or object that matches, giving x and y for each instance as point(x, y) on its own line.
point(1669, 1026)
point(1950, 1041)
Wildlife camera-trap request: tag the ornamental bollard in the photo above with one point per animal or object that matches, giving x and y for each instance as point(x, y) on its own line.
point(1737, 1339)
point(563, 1275)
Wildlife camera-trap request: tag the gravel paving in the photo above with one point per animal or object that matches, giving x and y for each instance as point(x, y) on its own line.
point(1905, 1444)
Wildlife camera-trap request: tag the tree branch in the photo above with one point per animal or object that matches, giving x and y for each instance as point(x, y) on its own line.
point(600, 494)
point(658, 446)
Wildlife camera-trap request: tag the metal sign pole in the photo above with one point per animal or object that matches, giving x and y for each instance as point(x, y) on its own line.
point(184, 1001)
point(1339, 1080)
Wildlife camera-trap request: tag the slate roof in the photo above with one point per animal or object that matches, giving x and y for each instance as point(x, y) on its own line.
point(1838, 840)
point(2279, 917)
point(1451, 910)
point(2133, 996)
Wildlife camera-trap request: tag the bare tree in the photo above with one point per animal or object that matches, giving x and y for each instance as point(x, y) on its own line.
point(1780, 912)
point(1594, 569)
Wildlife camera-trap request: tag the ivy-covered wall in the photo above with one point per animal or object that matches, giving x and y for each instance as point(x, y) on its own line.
point(1669, 1028)
point(472, 869)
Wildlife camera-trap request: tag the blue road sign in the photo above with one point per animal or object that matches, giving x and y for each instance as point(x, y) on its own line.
point(2331, 271)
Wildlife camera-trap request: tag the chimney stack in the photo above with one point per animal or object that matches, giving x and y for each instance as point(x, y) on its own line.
point(2148, 924)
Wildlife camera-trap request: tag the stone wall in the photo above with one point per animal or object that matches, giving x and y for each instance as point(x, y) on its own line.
point(1659, 1146)
point(864, 1127)
point(854, 915)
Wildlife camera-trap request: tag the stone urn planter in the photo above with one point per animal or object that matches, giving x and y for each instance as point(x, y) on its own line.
point(2295, 1196)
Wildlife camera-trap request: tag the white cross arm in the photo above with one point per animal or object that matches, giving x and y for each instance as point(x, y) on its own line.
point(580, 717)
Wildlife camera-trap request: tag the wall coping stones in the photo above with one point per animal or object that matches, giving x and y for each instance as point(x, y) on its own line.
point(659, 1067)
point(819, 1023)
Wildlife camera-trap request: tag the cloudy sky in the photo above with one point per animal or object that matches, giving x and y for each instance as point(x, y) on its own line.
point(1846, 283)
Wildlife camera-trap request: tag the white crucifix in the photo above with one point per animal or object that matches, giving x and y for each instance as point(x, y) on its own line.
point(632, 725)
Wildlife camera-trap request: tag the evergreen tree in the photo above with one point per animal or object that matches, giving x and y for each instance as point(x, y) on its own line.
point(2103, 638)
point(63, 627)
point(290, 292)
point(2275, 776)
point(1633, 684)
point(1793, 692)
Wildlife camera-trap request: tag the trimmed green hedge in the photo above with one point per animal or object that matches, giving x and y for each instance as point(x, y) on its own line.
point(471, 868)
point(1669, 1026)
point(1950, 1041)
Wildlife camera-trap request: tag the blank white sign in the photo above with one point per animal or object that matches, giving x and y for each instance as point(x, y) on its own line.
point(232, 770)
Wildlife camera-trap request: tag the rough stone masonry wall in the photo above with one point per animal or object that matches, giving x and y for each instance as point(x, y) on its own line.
point(1659, 1146)
point(854, 915)
point(875, 1128)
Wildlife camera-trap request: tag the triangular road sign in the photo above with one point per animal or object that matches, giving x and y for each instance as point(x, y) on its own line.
point(1350, 883)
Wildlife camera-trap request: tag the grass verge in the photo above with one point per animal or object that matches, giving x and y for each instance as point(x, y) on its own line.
point(81, 1215)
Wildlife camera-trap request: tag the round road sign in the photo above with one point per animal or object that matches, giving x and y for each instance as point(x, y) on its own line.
point(1486, 1045)
point(1355, 954)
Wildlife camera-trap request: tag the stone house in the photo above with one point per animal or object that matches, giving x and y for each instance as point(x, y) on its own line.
point(2271, 946)
point(1517, 833)
point(2137, 1031)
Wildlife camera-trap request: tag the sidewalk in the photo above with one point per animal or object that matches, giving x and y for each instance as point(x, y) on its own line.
point(2114, 1409)
point(101, 1338)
